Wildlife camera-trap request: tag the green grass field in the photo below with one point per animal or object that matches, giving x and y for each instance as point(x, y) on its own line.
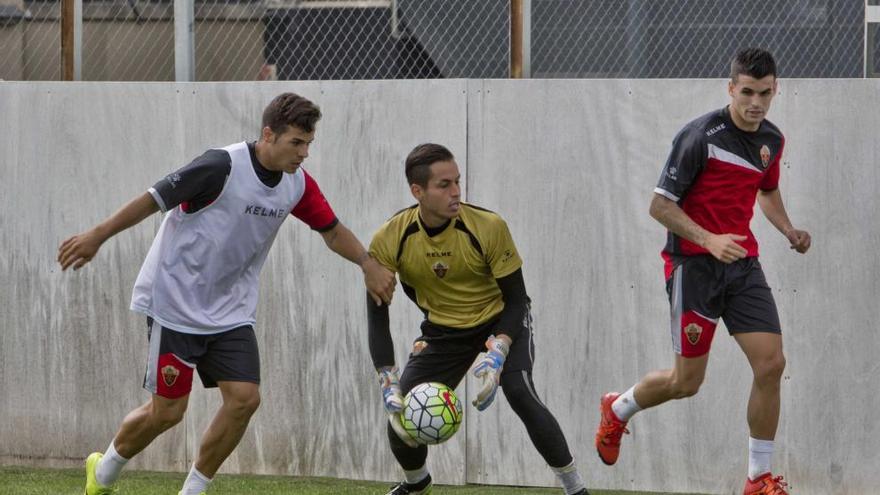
point(30, 481)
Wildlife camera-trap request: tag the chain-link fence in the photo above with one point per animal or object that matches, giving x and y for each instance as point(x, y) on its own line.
point(388, 40)
point(694, 38)
point(385, 39)
point(30, 41)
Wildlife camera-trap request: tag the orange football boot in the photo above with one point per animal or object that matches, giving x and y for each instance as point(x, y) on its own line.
point(610, 430)
point(766, 484)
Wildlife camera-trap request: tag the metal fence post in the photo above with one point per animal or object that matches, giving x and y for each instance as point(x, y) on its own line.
point(184, 56)
point(872, 25)
point(71, 40)
point(527, 39)
point(516, 38)
point(67, 40)
point(77, 39)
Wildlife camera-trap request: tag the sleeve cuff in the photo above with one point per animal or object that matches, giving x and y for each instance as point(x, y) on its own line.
point(158, 198)
point(329, 226)
point(666, 194)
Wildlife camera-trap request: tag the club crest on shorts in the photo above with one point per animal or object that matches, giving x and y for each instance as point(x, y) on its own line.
point(693, 333)
point(765, 155)
point(418, 347)
point(170, 374)
point(440, 268)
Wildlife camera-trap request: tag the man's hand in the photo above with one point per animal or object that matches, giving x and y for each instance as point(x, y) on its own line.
point(392, 399)
point(726, 247)
point(397, 425)
point(79, 249)
point(488, 370)
point(379, 280)
point(800, 240)
point(389, 383)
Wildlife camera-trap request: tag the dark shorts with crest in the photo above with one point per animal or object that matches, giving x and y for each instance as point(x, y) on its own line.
point(232, 355)
point(703, 290)
point(445, 355)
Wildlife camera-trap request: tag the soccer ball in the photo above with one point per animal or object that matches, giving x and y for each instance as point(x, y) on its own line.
point(431, 413)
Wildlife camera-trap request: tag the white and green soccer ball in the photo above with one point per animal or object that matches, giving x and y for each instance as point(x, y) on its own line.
point(431, 413)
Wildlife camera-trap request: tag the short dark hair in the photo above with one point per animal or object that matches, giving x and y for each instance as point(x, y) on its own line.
point(754, 62)
point(420, 159)
point(290, 109)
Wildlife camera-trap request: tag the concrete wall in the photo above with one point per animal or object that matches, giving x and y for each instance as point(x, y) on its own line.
point(569, 164)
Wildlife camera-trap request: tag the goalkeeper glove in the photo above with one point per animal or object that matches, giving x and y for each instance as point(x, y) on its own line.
point(390, 385)
point(396, 423)
point(488, 371)
point(392, 400)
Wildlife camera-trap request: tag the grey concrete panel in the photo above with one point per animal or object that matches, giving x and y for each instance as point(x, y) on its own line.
point(571, 165)
point(72, 354)
point(73, 359)
point(829, 300)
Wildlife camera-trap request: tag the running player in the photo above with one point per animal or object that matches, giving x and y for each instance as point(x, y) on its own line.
point(459, 264)
point(719, 163)
point(199, 283)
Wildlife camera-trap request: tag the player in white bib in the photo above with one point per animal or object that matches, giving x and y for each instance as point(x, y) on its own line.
point(199, 283)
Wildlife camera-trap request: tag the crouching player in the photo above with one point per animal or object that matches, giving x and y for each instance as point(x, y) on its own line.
point(458, 263)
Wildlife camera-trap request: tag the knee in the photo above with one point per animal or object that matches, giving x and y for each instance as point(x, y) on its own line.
point(768, 371)
point(243, 405)
point(683, 387)
point(512, 383)
point(166, 416)
point(518, 391)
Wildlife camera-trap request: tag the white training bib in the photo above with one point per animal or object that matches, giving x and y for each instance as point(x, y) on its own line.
point(201, 274)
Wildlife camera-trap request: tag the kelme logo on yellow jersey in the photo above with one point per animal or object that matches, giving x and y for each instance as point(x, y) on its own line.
point(508, 255)
point(440, 268)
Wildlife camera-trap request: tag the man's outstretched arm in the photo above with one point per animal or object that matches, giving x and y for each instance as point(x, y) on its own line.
point(379, 280)
point(78, 250)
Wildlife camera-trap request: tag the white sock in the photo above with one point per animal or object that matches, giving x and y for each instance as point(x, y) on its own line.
point(109, 467)
point(625, 406)
point(195, 483)
point(760, 452)
point(416, 475)
point(570, 478)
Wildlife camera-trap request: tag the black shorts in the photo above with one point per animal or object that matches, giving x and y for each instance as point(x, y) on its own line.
point(232, 355)
point(444, 355)
point(702, 289)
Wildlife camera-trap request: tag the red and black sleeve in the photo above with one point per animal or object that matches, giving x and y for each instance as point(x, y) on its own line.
point(313, 208)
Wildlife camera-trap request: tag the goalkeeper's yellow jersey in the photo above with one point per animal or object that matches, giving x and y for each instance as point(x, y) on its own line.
point(451, 276)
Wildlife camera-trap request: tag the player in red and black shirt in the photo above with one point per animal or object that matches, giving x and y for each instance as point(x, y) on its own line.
point(719, 164)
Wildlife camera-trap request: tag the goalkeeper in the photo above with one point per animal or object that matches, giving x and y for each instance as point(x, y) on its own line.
point(458, 263)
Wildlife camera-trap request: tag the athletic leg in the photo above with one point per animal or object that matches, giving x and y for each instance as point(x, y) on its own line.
point(436, 356)
point(240, 402)
point(543, 429)
point(695, 288)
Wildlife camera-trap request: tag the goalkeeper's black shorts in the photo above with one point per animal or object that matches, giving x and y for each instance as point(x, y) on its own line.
point(443, 354)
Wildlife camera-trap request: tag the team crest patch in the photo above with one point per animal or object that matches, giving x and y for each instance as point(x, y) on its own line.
point(693, 333)
point(169, 375)
point(508, 255)
point(418, 347)
point(765, 155)
point(440, 268)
